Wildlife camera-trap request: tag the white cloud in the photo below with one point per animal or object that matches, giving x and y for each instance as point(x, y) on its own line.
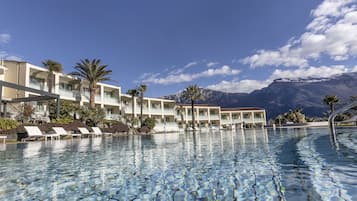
point(186, 77)
point(5, 55)
point(235, 86)
point(191, 64)
point(316, 72)
point(332, 32)
point(247, 86)
point(4, 38)
point(211, 64)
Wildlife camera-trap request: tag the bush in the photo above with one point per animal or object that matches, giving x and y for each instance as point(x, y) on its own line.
point(66, 120)
point(92, 116)
point(149, 122)
point(67, 109)
point(6, 124)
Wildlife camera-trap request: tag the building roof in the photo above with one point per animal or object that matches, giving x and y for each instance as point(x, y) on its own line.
point(241, 109)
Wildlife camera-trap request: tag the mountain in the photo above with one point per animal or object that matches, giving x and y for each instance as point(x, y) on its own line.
point(284, 94)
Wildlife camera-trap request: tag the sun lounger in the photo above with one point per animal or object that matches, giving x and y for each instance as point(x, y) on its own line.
point(97, 130)
point(61, 131)
point(85, 131)
point(34, 132)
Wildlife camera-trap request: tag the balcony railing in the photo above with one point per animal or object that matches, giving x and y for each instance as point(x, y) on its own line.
point(68, 93)
point(108, 99)
point(38, 85)
point(156, 110)
point(214, 117)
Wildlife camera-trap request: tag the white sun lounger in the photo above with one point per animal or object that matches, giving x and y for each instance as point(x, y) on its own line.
point(61, 131)
point(85, 131)
point(97, 130)
point(34, 131)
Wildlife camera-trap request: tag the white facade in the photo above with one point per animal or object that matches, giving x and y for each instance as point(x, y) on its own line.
point(169, 116)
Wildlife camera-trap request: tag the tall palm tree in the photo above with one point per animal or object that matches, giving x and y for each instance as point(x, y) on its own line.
point(141, 89)
point(52, 66)
point(133, 93)
point(93, 72)
point(331, 100)
point(192, 94)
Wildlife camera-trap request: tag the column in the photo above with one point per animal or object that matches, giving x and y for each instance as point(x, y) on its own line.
point(102, 96)
point(56, 87)
point(149, 107)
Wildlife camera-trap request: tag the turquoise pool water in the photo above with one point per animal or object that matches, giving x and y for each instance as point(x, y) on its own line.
point(294, 164)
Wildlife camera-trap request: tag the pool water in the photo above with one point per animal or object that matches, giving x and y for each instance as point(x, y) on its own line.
point(286, 164)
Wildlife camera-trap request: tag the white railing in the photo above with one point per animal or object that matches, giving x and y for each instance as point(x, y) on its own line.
point(108, 99)
point(156, 110)
point(38, 85)
point(214, 117)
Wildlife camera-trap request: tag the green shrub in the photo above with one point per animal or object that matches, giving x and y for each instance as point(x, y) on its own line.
point(92, 116)
point(65, 120)
point(149, 122)
point(6, 124)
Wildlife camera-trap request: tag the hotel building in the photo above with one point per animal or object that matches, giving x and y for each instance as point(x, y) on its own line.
point(169, 116)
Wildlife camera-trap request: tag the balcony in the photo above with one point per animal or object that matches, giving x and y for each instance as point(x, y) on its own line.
point(156, 110)
point(202, 117)
point(67, 93)
point(259, 119)
point(214, 117)
point(111, 100)
point(169, 111)
point(226, 121)
point(38, 85)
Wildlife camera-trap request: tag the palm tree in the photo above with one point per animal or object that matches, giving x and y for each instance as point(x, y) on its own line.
point(192, 93)
point(93, 72)
point(52, 66)
point(331, 100)
point(133, 93)
point(141, 89)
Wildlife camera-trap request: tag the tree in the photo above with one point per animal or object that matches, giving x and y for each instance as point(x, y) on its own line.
point(93, 72)
point(133, 93)
point(331, 100)
point(192, 94)
point(52, 66)
point(141, 89)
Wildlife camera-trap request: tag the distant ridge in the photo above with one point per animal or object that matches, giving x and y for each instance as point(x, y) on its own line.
point(284, 94)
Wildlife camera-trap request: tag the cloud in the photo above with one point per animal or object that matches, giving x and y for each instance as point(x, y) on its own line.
point(331, 32)
point(4, 38)
point(235, 86)
point(7, 56)
point(211, 64)
point(316, 72)
point(191, 64)
point(186, 77)
point(247, 85)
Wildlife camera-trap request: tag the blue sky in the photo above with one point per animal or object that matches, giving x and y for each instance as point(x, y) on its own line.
point(233, 46)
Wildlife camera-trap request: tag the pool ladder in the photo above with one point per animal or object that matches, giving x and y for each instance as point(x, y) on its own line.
point(331, 120)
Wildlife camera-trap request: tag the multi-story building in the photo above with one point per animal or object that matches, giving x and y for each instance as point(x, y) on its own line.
point(169, 116)
point(206, 116)
point(210, 116)
point(28, 75)
point(162, 110)
point(245, 117)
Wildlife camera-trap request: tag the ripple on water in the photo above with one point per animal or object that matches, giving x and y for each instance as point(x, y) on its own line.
point(205, 166)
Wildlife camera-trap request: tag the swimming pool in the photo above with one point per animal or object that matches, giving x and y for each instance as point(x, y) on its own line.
point(294, 164)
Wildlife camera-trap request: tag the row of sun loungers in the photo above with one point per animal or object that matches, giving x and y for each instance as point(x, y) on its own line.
point(35, 132)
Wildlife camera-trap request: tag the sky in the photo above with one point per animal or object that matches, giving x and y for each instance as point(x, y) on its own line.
point(232, 45)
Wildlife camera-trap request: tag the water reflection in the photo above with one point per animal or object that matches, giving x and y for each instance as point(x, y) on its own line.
point(216, 165)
